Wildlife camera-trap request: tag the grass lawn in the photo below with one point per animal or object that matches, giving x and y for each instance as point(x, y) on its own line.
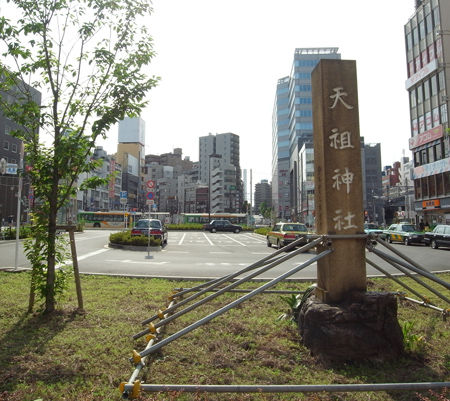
point(70, 356)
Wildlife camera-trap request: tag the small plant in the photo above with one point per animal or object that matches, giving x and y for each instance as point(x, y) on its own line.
point(295, 303)
point(411, 341)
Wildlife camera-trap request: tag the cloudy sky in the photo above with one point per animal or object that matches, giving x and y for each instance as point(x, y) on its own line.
point(219, 62)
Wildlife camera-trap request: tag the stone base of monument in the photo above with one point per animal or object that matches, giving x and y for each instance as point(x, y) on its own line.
point(364, 327)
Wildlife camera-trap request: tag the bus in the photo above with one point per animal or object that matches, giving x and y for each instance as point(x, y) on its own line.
point(235, 218)
point(113, 219)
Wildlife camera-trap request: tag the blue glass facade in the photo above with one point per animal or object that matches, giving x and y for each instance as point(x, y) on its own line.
point(292, 125)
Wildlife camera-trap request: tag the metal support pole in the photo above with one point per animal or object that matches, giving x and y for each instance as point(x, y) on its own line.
point(330, 388)
point(221, 291)
point(424, 273)
point(140, 364)
point(397, 263)
point(398, 253)
point(265, 292)
point(244, 270)
point(395, 279)
point(233, 304)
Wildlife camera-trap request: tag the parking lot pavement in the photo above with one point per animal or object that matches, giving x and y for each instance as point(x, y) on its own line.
point(207, 239)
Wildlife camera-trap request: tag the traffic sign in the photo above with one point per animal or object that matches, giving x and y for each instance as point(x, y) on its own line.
point(123, 194)
point(150, 184)
point(150, 201)
point(150, 195)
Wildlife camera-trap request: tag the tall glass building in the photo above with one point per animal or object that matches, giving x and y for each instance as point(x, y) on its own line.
point(292, 127)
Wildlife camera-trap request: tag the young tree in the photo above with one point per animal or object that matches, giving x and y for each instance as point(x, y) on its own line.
point(88, 59)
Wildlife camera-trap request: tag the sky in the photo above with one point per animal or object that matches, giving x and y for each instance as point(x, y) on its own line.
point(219, 62)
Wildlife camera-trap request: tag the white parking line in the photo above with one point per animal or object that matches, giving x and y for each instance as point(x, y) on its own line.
point(256, 237)
point(182, 239)
point(232, 239)
point(88, 255)
point(207, 239)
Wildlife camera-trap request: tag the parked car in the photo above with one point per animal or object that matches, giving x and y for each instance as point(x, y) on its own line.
point(403, 232)
point(440, 236)
point(283, 234)
point(157, 229)
point(222, 225)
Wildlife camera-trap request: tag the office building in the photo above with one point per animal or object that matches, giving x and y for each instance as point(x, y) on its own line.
point(130, 155)
point(427, 40)
point(219, 169)
point(292, 128)
point(12, 155)
point(373, 189)
point(263, 195)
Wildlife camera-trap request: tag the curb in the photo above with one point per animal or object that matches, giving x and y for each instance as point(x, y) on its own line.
point(135, 247)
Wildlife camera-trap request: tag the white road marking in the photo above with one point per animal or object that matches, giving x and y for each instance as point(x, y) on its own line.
point(182, 239)
point(88, 255)
point(135, 262)
point(207, 239)
point(232, 239)
point(68, 262)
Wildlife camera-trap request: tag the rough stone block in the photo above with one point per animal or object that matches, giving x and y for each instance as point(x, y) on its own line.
point(364, 326)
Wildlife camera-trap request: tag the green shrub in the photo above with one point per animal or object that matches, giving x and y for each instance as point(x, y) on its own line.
point(185, 226)
point(262, 230)
point(9, 233)
point(125, 238)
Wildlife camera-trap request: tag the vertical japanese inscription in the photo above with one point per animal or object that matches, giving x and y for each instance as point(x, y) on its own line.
point(338, 177)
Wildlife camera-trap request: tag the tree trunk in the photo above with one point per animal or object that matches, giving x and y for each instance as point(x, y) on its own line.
point(51, 257)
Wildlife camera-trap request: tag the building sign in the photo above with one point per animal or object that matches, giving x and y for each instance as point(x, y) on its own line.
point(419, 75)
point(11, 168)
point(431, 204)
point(441, 166)
point(425, 137)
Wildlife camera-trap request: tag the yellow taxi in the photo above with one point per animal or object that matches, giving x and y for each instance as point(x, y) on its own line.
point(283, 234)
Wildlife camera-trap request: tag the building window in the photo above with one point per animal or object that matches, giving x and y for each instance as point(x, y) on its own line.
point(434, 86)
point(432, 186)
point(437, 19)
point(419, 94)
point(412, 98)
point(6, 145)
point(444, 113)
point(423, 157)
point(424, 182)
point(416, 159)
point(438, 151)
point(14, 147)
point(439, 185)
point(422, 29)
point(446, 178)
point(426, 89)
point(418, 189)
point(429, 23)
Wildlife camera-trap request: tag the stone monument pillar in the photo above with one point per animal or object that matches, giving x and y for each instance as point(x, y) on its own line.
point(338, 178)
point(342, 322)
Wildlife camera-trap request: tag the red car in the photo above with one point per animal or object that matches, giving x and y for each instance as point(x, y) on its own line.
point(157, 229)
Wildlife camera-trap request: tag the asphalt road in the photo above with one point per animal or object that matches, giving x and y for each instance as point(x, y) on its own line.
point(203, 255)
